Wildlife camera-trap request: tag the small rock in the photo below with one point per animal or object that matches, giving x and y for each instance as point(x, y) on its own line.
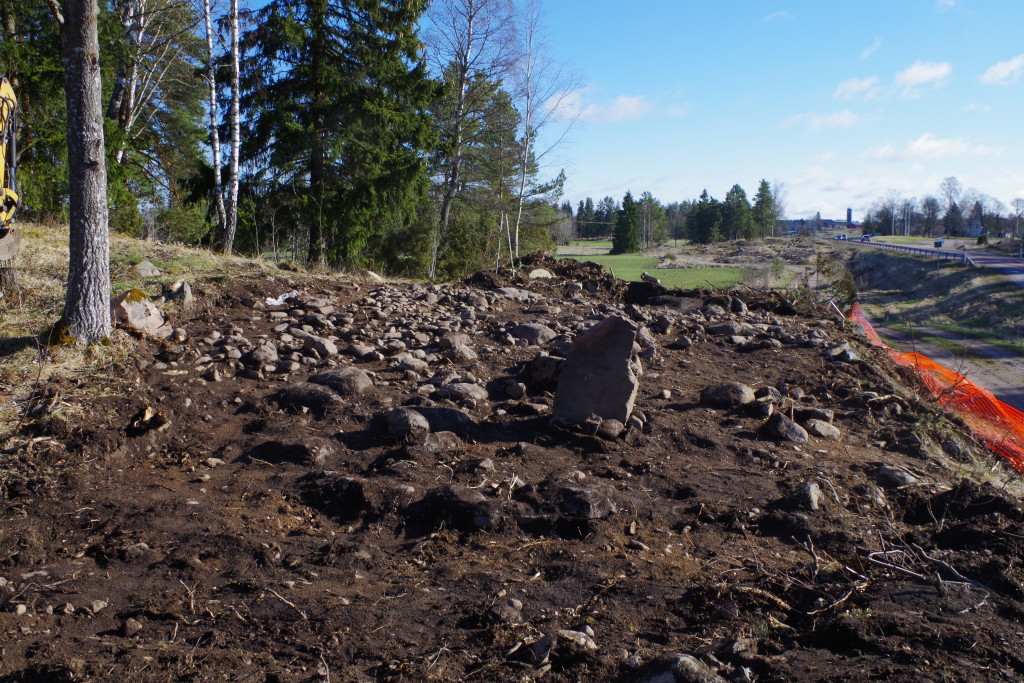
point(610, 429)
point(508, 611)
point(131, 627)
point(346, 381)
point(405, 423)
point(145, 269)
point(727, 395)
point(97, 606)
point(579, 639)
point(540, 273)
point(895, 477)
point(781, 427)
point(533, 333)
point(823, 429)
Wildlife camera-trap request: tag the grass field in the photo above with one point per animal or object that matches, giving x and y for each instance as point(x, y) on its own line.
point(630, 266)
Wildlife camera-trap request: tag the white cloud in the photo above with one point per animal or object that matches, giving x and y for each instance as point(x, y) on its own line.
point(930, 147)
point(872, 48)
point(814, 121)
point(1004, 73)
point(974, 106)
point(857, 88)
point(777, 15)
point(575, 105)
point(922, 73)
point(945, 5)
point(825, 156)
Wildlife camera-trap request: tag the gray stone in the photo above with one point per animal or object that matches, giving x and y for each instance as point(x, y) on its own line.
point(508, 610)
point(823, 429)
point(769, 394)
point(263, 354)
point(406, 423)
point(515, 390)
point(181, 292)
point(134, 310)
point(324, 347)
point(440, 442)
point(683, 342)
point(576, 640)
point(461, 353)
point(145, 269)
point(346, 381)
point(609, 429)
point(543, 371)
point(727, 329)
point(306, 395)
point(462, 391)
point(809, 496)
point(895, 477)
point(406, 361)
point(727, 395)
point(597, 378)
point(781, 427)
point(540, 273)
point(676, 668)
point(533, 333)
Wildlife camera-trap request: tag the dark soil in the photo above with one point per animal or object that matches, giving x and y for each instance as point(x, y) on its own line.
point(198, 524)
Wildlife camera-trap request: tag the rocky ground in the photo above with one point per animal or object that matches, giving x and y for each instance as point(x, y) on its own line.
point(334, 480)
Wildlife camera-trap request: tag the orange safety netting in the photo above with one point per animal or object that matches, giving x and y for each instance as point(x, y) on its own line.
point(999, 426)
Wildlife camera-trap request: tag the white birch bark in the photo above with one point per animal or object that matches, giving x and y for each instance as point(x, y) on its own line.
point(211, 77)
point(231, 214)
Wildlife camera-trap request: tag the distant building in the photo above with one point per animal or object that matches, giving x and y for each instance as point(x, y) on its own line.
point(804, 226)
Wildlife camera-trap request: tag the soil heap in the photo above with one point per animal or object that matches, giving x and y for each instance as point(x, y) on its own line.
point(328, 480)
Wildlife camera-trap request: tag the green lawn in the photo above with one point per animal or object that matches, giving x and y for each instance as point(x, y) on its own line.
point(629, 267)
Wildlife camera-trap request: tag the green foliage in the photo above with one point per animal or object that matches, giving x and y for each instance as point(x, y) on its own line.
point(626, 238)
point(337, 93)
point(764, 212)
point(705, 226)
point(737, 216)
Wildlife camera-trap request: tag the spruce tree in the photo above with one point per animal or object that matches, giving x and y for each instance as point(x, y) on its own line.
point(337, 94)
point(626, 238)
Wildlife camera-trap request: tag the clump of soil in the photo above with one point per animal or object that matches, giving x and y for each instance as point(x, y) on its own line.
point(336, 481)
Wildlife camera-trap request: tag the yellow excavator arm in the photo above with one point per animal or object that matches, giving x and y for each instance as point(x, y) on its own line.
point(9, 238)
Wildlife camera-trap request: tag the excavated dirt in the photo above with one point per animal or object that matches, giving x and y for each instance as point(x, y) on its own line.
point(218, 518)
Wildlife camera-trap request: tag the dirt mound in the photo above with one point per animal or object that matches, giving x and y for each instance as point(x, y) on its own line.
point(334, 481)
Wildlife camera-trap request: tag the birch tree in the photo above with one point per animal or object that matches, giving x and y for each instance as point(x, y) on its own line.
point(473, 43)
point(87, 302)
point(543, 90)
point(234, 121)
point(214, 116)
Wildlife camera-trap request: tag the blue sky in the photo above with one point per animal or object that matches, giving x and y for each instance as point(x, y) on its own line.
point(839, 100)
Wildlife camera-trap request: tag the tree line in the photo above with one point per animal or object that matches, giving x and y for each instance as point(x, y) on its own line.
point(637, 224)
point(954, 211)
point(385, 134)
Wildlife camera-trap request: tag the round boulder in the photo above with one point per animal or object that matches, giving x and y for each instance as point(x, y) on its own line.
point(727, 395)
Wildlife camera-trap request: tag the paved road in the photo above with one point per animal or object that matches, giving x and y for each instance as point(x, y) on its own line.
point(1011, 266)
point(998, 370)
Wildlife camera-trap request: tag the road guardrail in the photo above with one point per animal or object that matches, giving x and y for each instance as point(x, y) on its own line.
point(930, 253)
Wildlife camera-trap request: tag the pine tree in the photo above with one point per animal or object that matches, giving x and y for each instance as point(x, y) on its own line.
point(765, 211)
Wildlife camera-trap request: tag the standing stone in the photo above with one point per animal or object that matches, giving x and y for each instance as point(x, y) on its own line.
point(597, 378)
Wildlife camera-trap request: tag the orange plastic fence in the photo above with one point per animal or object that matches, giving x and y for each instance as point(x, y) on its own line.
point(997, 425)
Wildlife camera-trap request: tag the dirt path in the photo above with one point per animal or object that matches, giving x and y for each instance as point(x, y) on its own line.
point(998, 370)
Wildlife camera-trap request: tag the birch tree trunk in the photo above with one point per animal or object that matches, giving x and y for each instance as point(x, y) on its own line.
point(87, 304)
point(231, 213)
point(211, 77)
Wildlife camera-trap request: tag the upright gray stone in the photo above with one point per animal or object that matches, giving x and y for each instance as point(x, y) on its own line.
point(597, 378)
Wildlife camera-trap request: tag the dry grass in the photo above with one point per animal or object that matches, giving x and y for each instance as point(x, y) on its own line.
point(28, 313)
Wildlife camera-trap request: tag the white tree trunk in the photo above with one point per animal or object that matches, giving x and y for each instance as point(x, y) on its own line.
point(232, 203)
point(87, 305)
point(211, 77)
